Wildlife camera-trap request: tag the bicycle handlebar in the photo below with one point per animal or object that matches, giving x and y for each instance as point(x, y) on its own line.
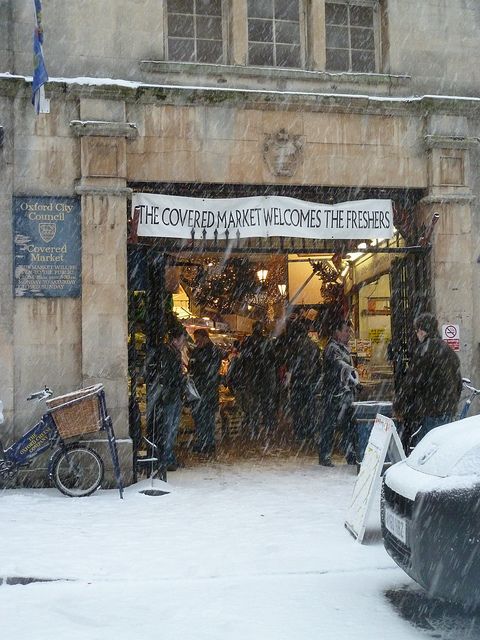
point(470, 388)
point(41, 395)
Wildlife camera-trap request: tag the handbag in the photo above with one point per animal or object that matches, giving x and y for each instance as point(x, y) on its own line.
point(191, 394)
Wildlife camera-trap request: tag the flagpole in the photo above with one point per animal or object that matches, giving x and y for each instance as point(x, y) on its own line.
point(40, 75)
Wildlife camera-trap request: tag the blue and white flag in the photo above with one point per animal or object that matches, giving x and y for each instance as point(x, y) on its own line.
point(40, 75)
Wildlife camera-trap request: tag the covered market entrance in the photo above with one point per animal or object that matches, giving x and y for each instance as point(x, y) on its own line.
point(200, 256)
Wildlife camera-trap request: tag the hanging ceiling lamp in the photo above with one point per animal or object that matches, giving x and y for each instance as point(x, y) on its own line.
point(262, 274)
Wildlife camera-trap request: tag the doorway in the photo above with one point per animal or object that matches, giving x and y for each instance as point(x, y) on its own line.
point(227, 288)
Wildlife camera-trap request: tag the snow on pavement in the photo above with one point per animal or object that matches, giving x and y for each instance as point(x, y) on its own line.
point(254, 550)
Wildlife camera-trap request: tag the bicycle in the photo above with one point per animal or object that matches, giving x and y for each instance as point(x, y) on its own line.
point(473, 393)
point(76, 469)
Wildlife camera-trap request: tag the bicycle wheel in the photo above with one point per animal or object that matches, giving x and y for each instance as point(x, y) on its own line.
point(77, 471)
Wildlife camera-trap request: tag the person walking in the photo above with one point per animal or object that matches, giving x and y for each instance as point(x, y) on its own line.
point(340, 382)
point(431, 387)
point(204, 367)
point(172, 387)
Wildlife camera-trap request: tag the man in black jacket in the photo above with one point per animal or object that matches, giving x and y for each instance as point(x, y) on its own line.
point(204, 367)
point(432, 385)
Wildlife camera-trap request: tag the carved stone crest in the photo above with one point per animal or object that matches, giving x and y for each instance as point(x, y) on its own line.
point(282, 152)
point(47, 231)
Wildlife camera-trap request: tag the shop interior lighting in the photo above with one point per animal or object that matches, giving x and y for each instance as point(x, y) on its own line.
point(362, 245)
point(282, 289)
point(354, 256)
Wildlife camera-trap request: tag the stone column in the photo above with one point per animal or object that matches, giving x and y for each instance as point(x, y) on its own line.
point(104, 263)
point(6, 259)
point(238, 33)
point(315, 24)
point(453, 244)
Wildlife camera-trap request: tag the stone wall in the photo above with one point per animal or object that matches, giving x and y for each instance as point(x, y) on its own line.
point(226, 144)
point(433, 42)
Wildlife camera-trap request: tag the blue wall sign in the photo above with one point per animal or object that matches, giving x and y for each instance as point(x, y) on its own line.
point(47, 247)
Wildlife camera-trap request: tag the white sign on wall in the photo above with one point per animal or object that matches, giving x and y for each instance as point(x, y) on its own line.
point(260, 217)
point(451, 335)
point(383, 439)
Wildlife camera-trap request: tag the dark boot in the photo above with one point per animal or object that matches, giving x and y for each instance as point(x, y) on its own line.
point(324, 461)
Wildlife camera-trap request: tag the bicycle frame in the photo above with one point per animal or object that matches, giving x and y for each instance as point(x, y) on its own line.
point(42, 436)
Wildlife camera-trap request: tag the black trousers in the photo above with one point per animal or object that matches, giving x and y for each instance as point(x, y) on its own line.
point(337, 416)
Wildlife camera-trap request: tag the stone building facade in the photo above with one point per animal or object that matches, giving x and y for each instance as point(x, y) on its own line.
point(376, 94)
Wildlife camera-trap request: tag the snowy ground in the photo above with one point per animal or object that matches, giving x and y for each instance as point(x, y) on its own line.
point(254, 550)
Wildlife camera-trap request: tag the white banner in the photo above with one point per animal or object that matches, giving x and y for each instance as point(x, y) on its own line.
point(261, 217)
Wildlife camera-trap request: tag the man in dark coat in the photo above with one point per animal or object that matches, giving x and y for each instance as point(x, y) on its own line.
point(304, 363)
point(255, 382)
point(338, 393)
point(204, 367)
point(172, 386)
point(430, 391)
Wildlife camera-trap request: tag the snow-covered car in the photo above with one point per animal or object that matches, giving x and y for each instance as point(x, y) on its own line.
point(431, 512)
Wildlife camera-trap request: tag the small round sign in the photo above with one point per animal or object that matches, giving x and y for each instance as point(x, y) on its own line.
point(450, 331)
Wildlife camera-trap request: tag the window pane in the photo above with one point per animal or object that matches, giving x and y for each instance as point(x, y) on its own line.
point(363, 61)
point(288, 55)
point(337, 37)
point(336, 13)
point(209, 28)
point(260, 31)
point(260, 55)
point(362, 38)
point(209, 51)
point(337, 60)
point(180, 6)
point(288, 32)
point(180, 26)
point(209, 7)
point(361, 16)
point(286, 10)
point(260, 8)
point(181, 50)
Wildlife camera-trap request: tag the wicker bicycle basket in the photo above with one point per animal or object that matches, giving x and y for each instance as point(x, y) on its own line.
point(78, 412)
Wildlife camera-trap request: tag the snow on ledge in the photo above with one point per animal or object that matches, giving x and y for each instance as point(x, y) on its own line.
point(130, 84)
